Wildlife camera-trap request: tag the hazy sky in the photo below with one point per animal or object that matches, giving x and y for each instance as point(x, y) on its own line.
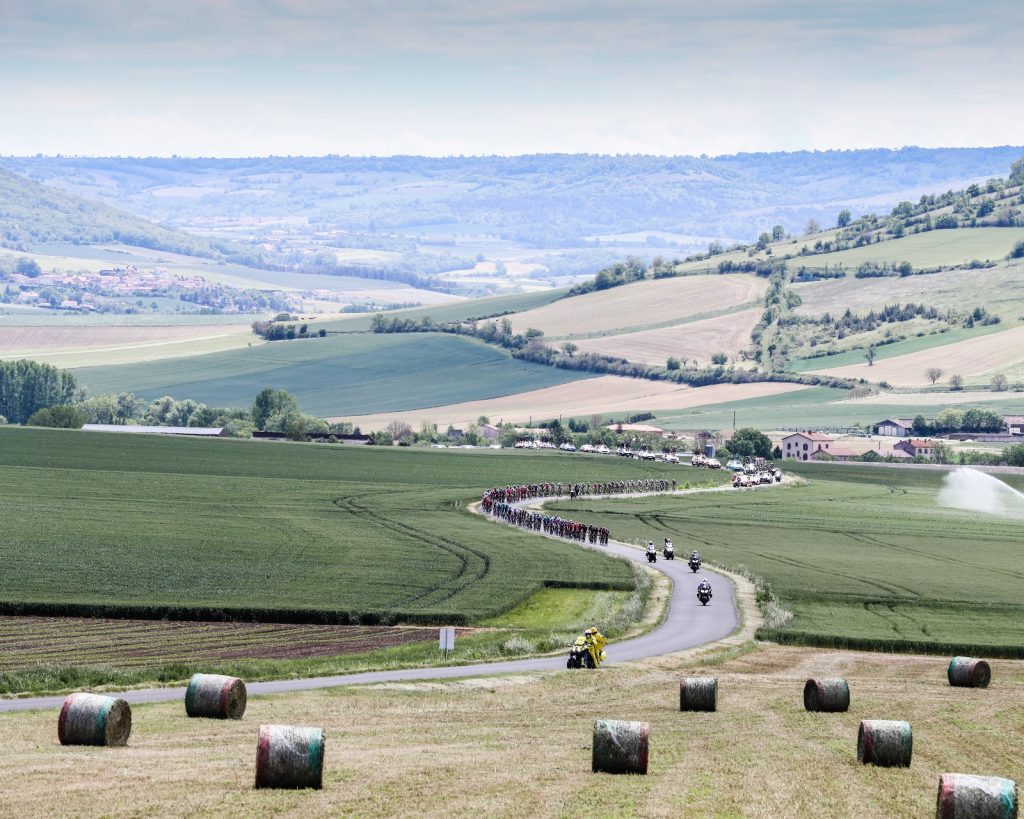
point(238, 77)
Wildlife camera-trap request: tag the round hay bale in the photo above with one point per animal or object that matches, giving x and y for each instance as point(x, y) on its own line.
point(92, 719)
point(963, 796)
point(887, 743)
point(698, 694)
point(968, 672)
point(216, 696)
point(288, 756)
point(826, 694)
point(620, 746)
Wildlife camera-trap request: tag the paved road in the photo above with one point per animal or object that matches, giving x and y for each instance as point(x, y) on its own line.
point(687, 624)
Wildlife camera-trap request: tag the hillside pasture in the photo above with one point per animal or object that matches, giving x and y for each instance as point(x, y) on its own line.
point(862, 556)
point(595, 396)
point(694, 341)
point(999, 289)
point(85, 346)
point(520, 745)
point(337, 375)
point(641, 304)
point(976, 359)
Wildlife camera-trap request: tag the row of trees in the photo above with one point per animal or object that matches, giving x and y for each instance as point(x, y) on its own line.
point(28, 386)
point(954, 419)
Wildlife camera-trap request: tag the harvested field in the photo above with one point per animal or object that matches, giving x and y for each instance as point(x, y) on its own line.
point(604, 394)
point(975, 359)
point(641, 304)
point(696, 341)
point(919, 399)
point(29, 641)
point(525, 750)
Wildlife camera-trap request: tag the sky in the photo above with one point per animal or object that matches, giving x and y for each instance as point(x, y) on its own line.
point(444, 77)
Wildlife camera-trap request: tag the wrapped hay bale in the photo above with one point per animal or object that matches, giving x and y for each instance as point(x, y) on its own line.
point(963, 796)
point(698, 694)
point(620, 746)
point(216, 696)
point(92, 719)
point(826, 694)
point(288, 756)
point(967, 672)
point(887, 743)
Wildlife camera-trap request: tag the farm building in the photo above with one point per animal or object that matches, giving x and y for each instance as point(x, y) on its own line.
point(207, 432)
point(917, 448)
point(1014, 424)
point(801, 445)
point(896, 427)
point(838, 453)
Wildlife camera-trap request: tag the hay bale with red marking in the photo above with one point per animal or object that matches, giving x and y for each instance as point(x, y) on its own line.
point(620, 747)
point(92, 719)
point(969, 672)
point(829, 694)
point(698, 694)
point(215, 696)
point(888, 743)
point(289, 756)
point(964, 796)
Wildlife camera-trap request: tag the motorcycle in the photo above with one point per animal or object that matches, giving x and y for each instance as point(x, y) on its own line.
point(579, 655)
point(704, 595)
point(670, 552)
point(695, 564)
point(652, 556)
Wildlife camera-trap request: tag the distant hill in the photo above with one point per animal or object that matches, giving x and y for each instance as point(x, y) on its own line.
point(31, 213)
point(541, 201)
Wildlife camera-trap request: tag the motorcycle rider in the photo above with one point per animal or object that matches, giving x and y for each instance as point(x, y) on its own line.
point(651, 551)
point(669, 548)
point(596, 642)
point(695, 556)
point(704, 587)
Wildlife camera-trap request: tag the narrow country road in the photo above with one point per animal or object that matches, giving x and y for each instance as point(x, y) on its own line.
point(687, 624)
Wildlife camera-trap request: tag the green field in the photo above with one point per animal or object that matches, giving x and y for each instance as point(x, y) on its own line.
point(338, 374)
point(100, 520)
point(456, 311)
point(862, 556)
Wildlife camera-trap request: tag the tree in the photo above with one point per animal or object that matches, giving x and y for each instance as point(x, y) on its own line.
point(719, 358)
point(569, 348)
point(844, 218)
point(672, 363)
point(998, 382)
point(749, 441)
point(1017, 172)
point(63, 417)
point(956, 382)
point(28, 267)
point(1014, 455)
point(951, 419)
point(813, 226)
point(271, 402)
point(933, 374)
point(399, 430)
point(778, 233)
point(27, 386)
point(921, 426)
point(127, 407)
point(870, 354)
point(1018, 251)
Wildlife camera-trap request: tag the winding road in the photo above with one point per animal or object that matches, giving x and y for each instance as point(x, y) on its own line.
point(687, 624)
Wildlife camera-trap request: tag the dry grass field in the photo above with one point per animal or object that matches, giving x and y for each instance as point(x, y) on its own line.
point(696, 341)
point(604, 394)
point(521, 745)
point(87, 346)
point(976, 359)
point(641, 304)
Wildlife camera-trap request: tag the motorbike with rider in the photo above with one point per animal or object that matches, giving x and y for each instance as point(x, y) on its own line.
point(669, 550)
point(652, 553)
point(588, 650)
point(704, 591)
point(694, 561)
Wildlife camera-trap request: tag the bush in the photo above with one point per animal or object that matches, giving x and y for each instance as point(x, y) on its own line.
point(62, 417)
point(1018, 251)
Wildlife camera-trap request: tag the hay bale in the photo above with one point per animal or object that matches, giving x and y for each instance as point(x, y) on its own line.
point(887, 743)
point(216, 696)
point(288, 756)
point(698, 693)
point(620, 746)
point(92, 719)
point(963, 796)
point(826, 694)
point(968, 672)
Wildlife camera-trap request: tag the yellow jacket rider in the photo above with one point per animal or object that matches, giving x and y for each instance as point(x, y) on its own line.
point(596, 642)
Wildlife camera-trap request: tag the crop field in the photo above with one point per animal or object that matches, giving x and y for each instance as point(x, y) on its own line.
point(521, 745)
point(999, 289)
point(460, 310)
point(696, 341)
point(595, 396)
point(976, 359)
point(85, 346)
point(936, 248)
point(861, 556)
point(337, 375)
point(642, 304)
point(93, 522)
